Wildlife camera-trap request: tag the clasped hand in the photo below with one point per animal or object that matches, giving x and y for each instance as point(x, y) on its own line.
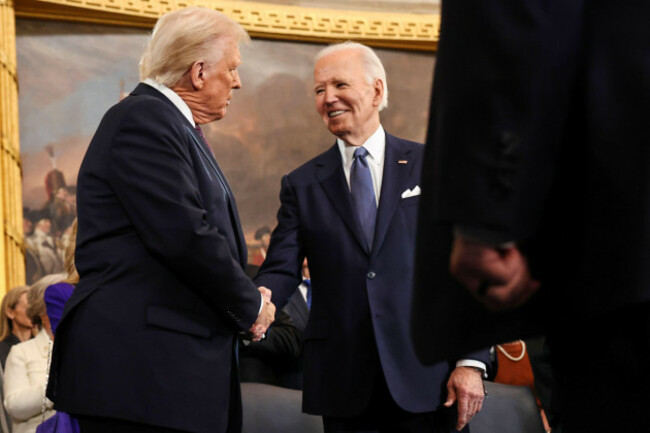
point(265, 318)
point(497, 276)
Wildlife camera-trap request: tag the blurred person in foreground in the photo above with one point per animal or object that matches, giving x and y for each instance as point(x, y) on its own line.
point(15, 325)
point(26, 368)
point(539, 158)
point(162, 293)
point(351, 212)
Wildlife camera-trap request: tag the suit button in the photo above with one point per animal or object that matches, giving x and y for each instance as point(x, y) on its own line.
point(371, 275)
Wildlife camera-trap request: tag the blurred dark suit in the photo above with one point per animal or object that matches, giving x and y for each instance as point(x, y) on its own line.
point(539, 134)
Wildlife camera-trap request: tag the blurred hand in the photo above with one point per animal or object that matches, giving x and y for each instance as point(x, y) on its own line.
point(265, 318)
point(465, 388)
point(498, 277)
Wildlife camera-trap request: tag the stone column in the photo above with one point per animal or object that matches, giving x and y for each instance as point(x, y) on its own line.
point(12, 260)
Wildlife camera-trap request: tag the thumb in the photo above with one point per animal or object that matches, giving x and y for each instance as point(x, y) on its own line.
point(451, 396)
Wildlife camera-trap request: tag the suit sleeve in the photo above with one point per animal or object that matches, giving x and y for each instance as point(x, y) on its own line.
point(504, 82)
point(153, 178)
point(281, 270)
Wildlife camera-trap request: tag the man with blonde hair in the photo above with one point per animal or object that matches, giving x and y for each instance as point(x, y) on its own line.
point(351, 212)
point(147, 341)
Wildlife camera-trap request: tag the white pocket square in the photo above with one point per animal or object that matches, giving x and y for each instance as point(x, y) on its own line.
point(412, 192)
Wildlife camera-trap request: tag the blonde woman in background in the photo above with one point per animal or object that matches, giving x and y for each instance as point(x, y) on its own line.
point(26, 367)
point(15, 325)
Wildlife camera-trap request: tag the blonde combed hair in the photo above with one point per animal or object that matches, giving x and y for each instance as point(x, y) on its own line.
point(36, 299)
point(69, 265)
point(371, 64)
point(9, 302)
point(182, 37)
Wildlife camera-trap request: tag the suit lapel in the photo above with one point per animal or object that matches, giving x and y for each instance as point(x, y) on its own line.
point(329, 172)
point(393, 183)
point(234, 216)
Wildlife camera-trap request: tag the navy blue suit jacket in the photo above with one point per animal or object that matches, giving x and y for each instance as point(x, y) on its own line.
point(361, 300)
point(148, 334)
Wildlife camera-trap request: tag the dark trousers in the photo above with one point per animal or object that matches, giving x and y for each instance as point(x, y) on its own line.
point(602, 369)
point(383, 415)
point(92, 424)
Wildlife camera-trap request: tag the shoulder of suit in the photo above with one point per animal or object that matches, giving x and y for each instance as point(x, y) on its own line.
point(309, 167)
point(404, 142)
point(141, 107)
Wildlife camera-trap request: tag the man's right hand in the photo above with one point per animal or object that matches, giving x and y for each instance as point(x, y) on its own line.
point(266, 316)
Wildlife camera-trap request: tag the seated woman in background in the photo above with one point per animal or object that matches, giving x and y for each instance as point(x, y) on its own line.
point(26, 368)
point(15, 326)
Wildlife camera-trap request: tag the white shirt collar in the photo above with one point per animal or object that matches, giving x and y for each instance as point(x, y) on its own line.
point(375, 145)
point(174, 98)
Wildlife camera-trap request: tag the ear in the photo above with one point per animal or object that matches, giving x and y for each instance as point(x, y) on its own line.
point(378, 87)
point(10, 313)
point(197, 74)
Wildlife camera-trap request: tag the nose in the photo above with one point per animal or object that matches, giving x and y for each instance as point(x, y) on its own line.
point(330, 95)
point(237, 81)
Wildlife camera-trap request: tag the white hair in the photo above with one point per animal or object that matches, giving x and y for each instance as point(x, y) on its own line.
point(182, 37)
point(372, 65)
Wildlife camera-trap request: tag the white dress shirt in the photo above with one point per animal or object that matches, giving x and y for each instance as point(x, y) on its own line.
point(376, 147)
point(174, 98)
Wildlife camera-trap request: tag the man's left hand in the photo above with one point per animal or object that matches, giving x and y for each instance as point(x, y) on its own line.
point(465, 387)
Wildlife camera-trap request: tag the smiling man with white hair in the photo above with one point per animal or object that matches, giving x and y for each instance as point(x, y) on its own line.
point(351, 212)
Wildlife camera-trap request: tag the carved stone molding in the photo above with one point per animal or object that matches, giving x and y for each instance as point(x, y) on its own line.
point(264, 20)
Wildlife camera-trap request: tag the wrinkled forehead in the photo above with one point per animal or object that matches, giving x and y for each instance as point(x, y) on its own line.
point(338, 66)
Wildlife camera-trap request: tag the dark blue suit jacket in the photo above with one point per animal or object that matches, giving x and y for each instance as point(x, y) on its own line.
point(148, 334)
point(361, 300)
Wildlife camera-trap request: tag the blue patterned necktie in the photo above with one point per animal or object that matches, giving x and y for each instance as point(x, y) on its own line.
point(363, 194)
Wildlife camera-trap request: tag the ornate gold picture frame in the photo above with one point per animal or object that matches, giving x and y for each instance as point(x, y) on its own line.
point(401, 31)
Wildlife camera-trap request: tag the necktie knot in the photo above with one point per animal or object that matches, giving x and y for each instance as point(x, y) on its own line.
point(360, 152)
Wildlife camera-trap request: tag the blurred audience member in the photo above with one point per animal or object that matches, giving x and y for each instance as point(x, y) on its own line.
point(15, 325)
point(26, 367)
point(263, 235)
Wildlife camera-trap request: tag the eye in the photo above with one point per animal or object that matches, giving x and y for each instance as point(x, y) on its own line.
point(341, 85)
point(319, 91)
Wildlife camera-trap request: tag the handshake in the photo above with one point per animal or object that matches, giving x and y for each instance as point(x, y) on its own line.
point(264, 319)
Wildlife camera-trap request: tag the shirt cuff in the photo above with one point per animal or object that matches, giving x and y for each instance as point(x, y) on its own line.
point(473, 363)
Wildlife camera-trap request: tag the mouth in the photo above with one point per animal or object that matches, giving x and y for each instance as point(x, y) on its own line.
point(336, 113)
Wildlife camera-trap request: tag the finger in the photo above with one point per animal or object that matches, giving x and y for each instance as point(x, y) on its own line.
point(451, 396)
point(463, 412)
point(511, 296)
